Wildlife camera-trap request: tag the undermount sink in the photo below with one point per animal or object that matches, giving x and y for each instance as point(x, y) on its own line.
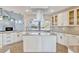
point(37, 33)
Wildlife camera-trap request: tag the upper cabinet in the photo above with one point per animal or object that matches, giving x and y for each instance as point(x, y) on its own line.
point(56, 20)
point(77, 16)
point(66, 18)
point(52, 20)
point(60, 19)
point(71, 17)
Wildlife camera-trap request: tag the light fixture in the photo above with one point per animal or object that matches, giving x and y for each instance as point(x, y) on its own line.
point(12, 20)
point(51, 11)
point(19, 21)
point(16, 22)
point(1, 18)
point(27, 10)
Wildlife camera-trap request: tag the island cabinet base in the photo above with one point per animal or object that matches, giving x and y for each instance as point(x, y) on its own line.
point(35, 44)
point(17, 47)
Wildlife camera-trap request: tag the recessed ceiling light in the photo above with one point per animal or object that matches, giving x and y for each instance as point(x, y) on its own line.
point(12, 20)
point(1, 18)
point(27, 10)
point(51, 10)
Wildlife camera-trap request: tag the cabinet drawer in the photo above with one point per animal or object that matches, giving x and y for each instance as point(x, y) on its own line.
point(19, 37)
point(7, 41)
point(11, 38)
point(73, 40)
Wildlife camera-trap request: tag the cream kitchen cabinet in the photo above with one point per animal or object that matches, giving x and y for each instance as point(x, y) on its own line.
point(59, 23)
point(48, 43)
point(8, 38)
point(32, 44)
point(44, 43)
point(18, 36)
point(63, 19)
point(61, 39)
point(73, 40)
point(67, 18)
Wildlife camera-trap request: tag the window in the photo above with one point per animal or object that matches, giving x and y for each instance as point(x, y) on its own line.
point(39, 25)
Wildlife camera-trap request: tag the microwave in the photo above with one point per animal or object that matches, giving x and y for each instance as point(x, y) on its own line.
point(9, 29)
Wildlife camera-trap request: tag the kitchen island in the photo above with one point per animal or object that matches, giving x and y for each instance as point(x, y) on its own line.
point(39, 43)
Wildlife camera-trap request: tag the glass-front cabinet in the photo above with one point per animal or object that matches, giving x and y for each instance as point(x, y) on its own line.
point(52, 20)
point(77, 16)
point(71, 17)
point(56, 19)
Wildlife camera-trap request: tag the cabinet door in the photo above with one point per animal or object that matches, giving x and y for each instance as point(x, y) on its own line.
point(77, 16)
point(56, 20)
point(8, 38)
point(48, 43)
point(17, 37)
point(60, 38)
point(73, 40)
point(32, 43)
point(71, 17)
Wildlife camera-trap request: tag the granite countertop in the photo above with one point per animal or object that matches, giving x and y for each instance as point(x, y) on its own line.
point(74, 30)
point(10, 32)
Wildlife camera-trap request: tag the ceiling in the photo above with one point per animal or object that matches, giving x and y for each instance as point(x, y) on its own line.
point(33, 9)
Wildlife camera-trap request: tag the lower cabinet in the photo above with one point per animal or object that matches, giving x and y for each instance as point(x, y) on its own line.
point(32, 44)
point(73, 40)
point(9, 38)
point(39, 43)
point(61, 38)
point(48, 43)
point(17, 47)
